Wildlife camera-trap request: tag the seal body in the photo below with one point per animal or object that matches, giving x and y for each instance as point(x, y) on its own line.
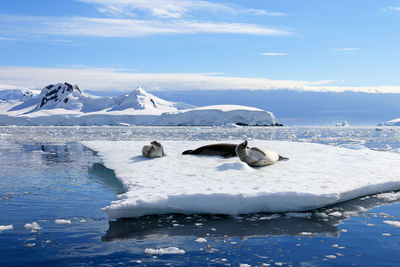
point(154, 150)
point(223, 150)
point(256, 157)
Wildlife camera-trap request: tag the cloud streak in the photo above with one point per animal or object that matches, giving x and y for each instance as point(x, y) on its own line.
point(346, 49)
point(170, 9)
point(102, 79)
point(274, 54)
point(107, 27)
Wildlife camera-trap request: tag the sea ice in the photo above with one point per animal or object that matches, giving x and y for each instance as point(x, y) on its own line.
point(315, 176)
point(34, 227)
point(162, 251)
point(6, 227)
point(62, 221)
point(393, 223)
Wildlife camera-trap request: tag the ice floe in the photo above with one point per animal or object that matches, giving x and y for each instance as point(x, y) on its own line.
point(162, 251)
point(62, 221)
point(6, 227)
point(315, 176)
point(34, 227)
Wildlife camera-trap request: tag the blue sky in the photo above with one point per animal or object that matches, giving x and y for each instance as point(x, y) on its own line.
point(329, 46)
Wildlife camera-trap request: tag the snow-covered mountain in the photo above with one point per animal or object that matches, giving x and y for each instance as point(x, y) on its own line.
point(66, 104)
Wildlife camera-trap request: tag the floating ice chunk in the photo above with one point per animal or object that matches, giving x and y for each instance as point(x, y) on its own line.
point(244, 265)
point(306, 233)
point(162, 251)
point(386, 234)
point(62, 221)
point(34, 227)
point(330, 256)
point(29, 245)
point(336, 214)
point(298, 214)
point(201, 240)
point(315, 176)
point(6, 227)
point(390, 196)
point(393, 223)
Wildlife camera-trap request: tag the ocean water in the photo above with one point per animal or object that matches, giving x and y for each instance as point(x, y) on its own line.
point(48, 177)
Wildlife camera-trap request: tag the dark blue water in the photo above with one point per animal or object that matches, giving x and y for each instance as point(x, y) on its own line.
point(46, 174)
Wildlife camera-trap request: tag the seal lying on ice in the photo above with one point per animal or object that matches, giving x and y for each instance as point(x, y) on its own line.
point(256, 157)
point(223, 150)
point(154, 150)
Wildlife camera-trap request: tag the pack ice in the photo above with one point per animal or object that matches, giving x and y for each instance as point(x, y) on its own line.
point(315, 176)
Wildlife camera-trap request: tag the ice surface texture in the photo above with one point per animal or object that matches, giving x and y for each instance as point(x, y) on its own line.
point(315, 176)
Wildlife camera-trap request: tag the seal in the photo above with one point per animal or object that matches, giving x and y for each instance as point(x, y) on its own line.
point(223, 150)
point(256, 157)
point(154, 150)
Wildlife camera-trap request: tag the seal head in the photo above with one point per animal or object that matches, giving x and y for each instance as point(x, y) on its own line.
point(154, 150)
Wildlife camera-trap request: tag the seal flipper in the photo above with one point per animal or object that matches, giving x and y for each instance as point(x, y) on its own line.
point(187, 152)
point(282, 158)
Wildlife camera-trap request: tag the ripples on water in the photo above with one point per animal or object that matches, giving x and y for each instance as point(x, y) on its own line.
point(47, 175)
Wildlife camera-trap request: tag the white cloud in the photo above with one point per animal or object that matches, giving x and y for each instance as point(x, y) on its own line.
point(346, 49)
point(395, 8)
point(7, 39)
point(274, 54)
point(102, 79)
point(174, 9)
point(106, 27)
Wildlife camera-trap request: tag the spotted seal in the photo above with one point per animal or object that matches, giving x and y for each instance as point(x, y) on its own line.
point(223, 150)
point(256, 157)
point(154, 150)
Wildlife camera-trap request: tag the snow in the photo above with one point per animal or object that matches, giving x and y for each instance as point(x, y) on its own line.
point(66, 104)
point(315, 176)
point(162, 251)
point(6, 227)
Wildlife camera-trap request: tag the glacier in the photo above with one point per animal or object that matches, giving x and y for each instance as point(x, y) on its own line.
point(315, 176)
point(64, 104)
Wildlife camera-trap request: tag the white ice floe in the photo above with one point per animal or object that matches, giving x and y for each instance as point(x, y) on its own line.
point(62, 221)
point(162, 251)
point(201, 240)
point(315, 176)
point(6, 227)
point(389, 196)
point(34, 227)
point(393, 223)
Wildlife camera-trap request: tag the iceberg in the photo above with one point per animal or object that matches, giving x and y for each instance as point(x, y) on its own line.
point(395, 122)
point(315, 176)
point(66, 104)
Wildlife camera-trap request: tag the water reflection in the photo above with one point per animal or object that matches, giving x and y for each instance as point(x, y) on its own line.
point(321, 222)
point(98, 172)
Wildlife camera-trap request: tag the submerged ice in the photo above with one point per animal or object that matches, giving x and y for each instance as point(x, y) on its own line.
point(315, 176)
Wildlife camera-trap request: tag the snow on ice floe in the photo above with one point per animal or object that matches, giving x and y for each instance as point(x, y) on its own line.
point(315, 176)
